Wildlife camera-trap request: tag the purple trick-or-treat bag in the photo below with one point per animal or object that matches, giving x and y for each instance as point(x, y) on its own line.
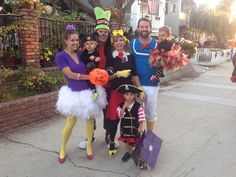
point(146, 152)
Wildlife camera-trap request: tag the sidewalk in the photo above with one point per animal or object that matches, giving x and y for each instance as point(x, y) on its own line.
point(191, 140)
point(33, 152)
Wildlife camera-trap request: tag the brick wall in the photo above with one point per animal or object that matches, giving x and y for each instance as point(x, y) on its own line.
point(30, 37)
point(23, 112)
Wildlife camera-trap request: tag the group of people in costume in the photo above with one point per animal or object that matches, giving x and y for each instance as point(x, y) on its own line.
point(130, 96)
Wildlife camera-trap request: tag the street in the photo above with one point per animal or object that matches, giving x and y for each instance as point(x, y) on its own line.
point(197, 123)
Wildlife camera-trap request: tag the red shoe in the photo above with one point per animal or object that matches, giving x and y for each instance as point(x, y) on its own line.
point(233, 78)
point(90, 157)
point(61, 160)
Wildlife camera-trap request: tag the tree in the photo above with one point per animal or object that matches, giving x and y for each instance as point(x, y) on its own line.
point(211, 22)
point(118, 7)
point(225, 5)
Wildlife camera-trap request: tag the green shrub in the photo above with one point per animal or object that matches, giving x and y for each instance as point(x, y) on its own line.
point(4, 74)
point(29, 82)
point(39, 82)
point(188, 47)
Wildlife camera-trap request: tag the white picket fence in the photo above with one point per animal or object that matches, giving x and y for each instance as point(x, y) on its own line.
point(210, 57)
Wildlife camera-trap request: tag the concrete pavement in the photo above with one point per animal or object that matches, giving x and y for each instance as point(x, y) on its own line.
point(196, 122)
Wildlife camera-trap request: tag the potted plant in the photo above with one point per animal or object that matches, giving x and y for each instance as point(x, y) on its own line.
point(47, 57)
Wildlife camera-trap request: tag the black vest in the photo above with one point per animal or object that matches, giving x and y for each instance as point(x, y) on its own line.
point(129, 123)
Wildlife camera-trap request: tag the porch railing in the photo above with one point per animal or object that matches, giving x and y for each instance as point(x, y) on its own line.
point(10, 41)
point(51, 31)
point(50, 36)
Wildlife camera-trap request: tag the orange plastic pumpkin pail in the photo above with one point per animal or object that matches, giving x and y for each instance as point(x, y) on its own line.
point(98, 76)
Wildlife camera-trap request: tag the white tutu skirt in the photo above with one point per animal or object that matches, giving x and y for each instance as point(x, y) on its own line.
point(80, 103)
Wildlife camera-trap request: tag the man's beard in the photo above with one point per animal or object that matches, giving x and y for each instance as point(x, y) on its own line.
point(144, 34)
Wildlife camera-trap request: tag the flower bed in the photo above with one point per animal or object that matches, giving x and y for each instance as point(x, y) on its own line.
point(18, 106)
point(26, 111)
point(28, 82)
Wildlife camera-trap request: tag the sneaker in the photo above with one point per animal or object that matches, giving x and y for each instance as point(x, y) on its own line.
point(116, 145)
point(126, 157)
point(142, 165)
point(112, 151)
point(83, 143)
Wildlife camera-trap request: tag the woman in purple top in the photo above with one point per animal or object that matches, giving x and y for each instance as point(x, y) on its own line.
point(75, 100)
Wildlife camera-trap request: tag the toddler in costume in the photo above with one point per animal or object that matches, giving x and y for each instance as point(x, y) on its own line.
point(164, 44)
point(132, 118)
point(90, 57)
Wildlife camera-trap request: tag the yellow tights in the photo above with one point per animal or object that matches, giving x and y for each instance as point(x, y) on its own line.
point(70, 123)
point(89, 134)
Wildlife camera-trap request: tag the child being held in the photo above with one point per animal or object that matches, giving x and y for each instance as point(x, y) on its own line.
point(90, 57)
point(164, 44)
point(132, 118)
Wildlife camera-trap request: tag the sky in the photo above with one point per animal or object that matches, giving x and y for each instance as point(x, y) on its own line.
point(211, 3)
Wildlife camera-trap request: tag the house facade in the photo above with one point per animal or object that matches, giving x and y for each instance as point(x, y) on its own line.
point(151, 9)
point(177, 13)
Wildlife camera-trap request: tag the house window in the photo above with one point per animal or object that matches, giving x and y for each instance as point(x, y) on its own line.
point(158, 8)
point(174, 8)
point(167, 8)
point(182, 6)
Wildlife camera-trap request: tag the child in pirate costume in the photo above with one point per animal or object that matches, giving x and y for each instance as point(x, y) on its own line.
point(132, 118)
point(90, 57)
point(122, 72)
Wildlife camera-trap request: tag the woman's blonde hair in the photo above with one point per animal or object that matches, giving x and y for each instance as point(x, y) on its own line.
point(116, 37)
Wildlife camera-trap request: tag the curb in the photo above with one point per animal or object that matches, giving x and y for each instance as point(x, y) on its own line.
point(188, 71)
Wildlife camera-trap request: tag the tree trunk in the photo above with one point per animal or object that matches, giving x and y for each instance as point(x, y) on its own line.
point(119, 9)
point(95, 3)
point(84, 8)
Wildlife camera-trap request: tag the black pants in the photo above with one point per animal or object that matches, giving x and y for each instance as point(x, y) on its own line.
point(105, 120)
point(234, 72)
point(234, 64)
point(112, 128)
